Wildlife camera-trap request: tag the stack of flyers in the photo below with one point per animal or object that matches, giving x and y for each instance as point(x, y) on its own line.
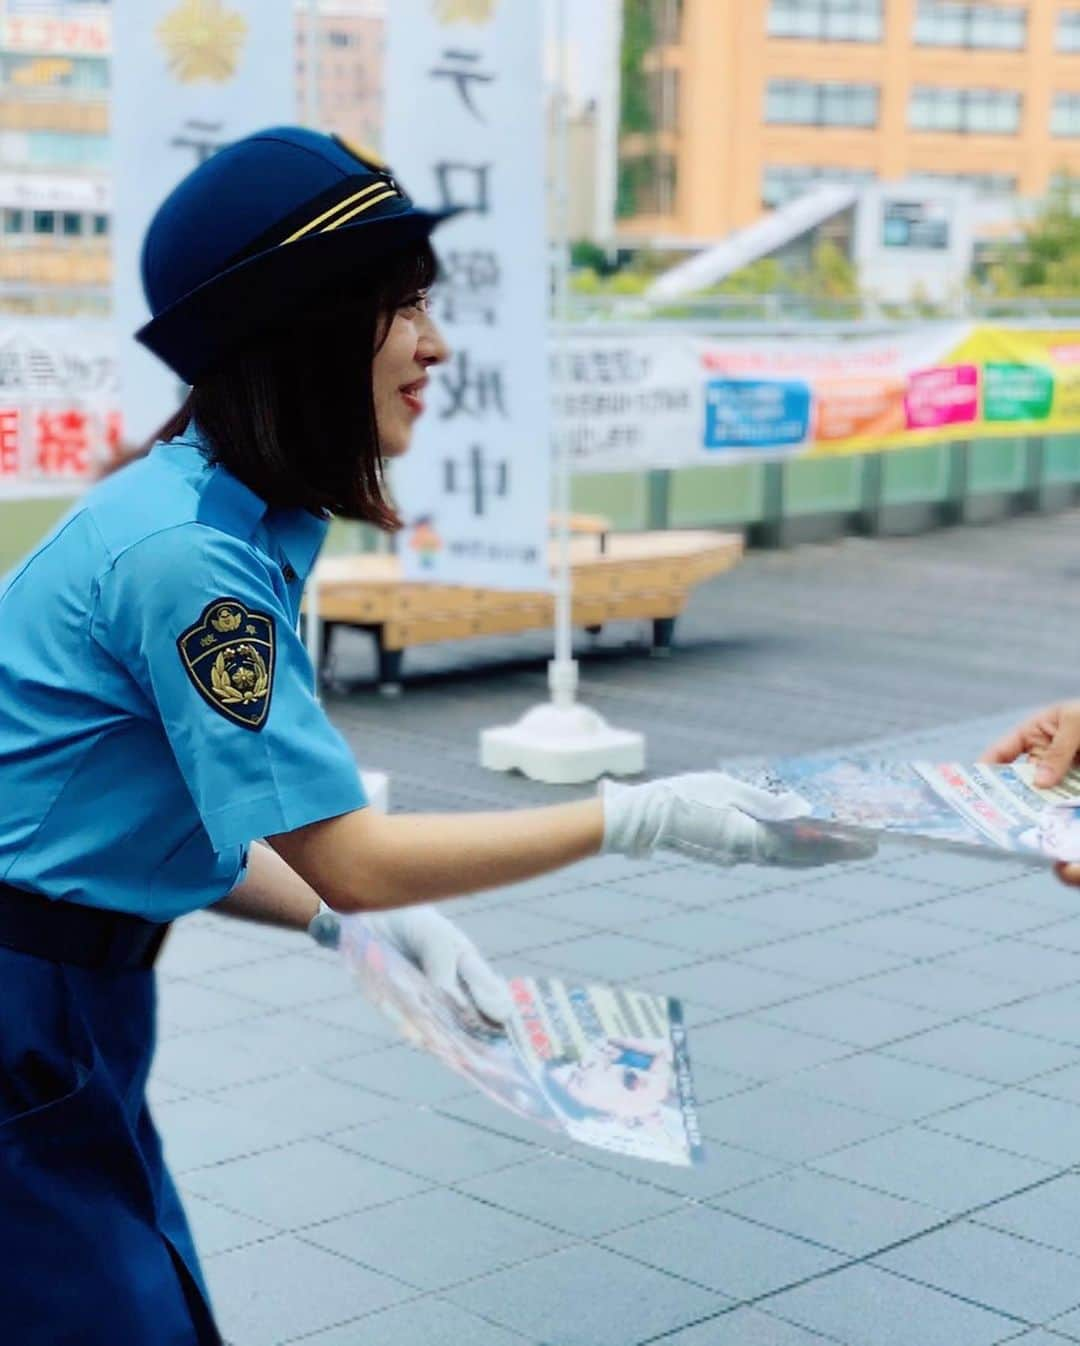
point(607, 1066)
point(996, 808)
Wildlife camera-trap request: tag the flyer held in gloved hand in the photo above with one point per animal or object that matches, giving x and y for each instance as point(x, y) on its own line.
point(996, 808)
point(607, 1066)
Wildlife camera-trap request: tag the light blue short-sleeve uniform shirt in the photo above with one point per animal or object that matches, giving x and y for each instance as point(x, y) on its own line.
point(157, 708)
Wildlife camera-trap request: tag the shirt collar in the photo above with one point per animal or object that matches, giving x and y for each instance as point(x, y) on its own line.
point(300, 535)
point(228, 504)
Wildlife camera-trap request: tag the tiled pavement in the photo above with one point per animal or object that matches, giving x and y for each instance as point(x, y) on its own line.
point(887, 1055)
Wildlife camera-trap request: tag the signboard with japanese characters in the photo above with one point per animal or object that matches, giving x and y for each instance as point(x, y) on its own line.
point(465, 128)
point(24, 30)
point(641, 398)
point(58, 405)
point(188, 77)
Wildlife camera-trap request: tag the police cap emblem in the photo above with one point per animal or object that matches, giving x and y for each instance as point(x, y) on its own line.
point(229, 656)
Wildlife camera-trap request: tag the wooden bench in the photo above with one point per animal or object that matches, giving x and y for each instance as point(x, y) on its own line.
point(637, 575)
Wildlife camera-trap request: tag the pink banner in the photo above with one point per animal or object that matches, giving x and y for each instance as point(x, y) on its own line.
point(948, 395)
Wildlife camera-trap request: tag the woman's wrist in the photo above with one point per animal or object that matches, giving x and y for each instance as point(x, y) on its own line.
point(325, 927)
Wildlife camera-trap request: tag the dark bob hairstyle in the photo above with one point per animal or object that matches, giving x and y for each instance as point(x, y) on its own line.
point(292, 415)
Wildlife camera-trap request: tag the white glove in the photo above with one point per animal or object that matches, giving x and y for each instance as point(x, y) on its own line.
point(446, 956)
point(711, 816)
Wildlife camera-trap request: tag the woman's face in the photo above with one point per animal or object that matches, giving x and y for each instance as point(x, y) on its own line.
point(400, 372)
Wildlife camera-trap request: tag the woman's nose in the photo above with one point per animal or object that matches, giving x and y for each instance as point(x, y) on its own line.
point(434, 349)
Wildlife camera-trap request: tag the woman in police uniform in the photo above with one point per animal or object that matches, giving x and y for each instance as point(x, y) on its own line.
point(157, 716)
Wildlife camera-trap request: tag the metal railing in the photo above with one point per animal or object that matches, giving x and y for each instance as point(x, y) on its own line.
point(783, 309)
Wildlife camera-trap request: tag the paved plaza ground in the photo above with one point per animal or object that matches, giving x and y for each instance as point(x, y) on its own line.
point(887, 1055)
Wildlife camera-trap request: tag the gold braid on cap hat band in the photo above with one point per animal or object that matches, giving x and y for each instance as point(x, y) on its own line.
point(382, 190)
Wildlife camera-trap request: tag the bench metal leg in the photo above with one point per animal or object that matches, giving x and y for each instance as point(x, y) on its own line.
point(389, 674)
point(325, 673)
point(663, 633)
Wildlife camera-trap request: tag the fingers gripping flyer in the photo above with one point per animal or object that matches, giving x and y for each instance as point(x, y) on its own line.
point(606, 1066)
point(996, 808)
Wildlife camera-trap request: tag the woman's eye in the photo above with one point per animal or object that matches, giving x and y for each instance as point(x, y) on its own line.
point(418, 302)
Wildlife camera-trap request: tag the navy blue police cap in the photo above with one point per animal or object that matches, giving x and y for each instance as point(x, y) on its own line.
point(259, 228)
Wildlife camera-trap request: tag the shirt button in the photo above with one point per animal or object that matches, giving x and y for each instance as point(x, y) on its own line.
point(288, 572)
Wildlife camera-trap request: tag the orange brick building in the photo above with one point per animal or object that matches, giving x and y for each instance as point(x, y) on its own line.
point(731, 107)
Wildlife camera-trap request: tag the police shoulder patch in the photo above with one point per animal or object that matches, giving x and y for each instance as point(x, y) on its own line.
point(229, 656)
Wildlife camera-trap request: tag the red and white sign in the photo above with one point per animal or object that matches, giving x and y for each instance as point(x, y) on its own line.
point(59, 418)
point(71, 37)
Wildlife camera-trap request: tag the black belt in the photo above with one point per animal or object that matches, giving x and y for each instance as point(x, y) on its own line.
point(66, 932)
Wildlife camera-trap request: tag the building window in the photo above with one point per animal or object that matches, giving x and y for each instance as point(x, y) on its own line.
point(781, 183)
point(1065, 115)
point(944, 23)
point(827, 20)
point(71, 224)
point(994, 112)
point(1068, 30)
point(101, 226)
point(647, 186)
point(58, 149)
point(667, 16)
point(800, 103)
point(988, 186)
point(14, 221)
point(336, 38)
point(664, 93)
point(44, 222)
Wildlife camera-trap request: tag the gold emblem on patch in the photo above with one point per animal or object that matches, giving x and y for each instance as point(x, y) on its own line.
point(239, 675)
point(235, 677)
point(202, 41)
point(464, 11)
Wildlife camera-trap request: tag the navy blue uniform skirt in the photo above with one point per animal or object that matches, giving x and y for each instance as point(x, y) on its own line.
point(95, 1249)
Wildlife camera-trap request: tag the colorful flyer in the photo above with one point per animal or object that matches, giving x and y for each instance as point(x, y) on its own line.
point(607, 1066)
point(991, 808)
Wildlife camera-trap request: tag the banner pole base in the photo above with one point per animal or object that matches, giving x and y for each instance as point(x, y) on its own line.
point(562, 742)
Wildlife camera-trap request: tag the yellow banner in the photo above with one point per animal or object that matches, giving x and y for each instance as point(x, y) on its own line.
point(994, 382)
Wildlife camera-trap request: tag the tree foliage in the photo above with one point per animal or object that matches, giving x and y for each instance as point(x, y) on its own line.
point(1045, 262)
point(829, 280)
point(638, 36)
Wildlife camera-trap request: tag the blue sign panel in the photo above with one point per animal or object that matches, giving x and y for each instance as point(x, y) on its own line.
point(756, 413)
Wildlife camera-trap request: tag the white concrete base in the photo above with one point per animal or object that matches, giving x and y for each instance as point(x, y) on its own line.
point(377, 788)
point(562, 745)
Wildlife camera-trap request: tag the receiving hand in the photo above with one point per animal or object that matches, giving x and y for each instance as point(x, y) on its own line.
point(1051, 738)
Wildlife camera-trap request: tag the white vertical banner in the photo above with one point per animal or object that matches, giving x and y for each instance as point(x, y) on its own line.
point(188, 77)
point(465, 127)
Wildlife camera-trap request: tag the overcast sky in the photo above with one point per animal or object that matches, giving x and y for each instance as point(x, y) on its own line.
point(587, 28)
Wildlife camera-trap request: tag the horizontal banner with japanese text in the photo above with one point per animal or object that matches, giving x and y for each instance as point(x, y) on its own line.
point(630, 401)
point(654, 399)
